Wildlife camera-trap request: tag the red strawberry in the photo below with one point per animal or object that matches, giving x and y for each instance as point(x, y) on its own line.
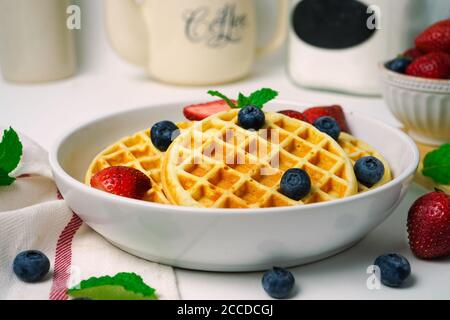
point(294, 114)
point(435, 65)
point(201, 111)
point(122, 181)
point(335, 111)
point(435, 38)
point(429, 226)
point(443, 23)
point(413, 53)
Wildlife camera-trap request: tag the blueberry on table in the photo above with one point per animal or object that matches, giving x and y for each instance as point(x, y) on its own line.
point(369, 171)
point(251, 117)
point(31, 266)
point(163, 133)
point(278, 283)
point(329, 126)
point(394, 269)
point(295, 184)
point(399, 64)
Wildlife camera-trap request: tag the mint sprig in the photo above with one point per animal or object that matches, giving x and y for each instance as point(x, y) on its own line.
point(10, 154)
point(223, 97)
point(258, 98)
point(122, 286)
point(436, 165)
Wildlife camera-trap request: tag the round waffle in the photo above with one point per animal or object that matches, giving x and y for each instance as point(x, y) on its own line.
point(216, 163)
point(357, 149)
point(136, 151)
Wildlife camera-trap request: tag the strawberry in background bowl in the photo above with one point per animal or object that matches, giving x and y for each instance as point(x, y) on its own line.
point(416, 85)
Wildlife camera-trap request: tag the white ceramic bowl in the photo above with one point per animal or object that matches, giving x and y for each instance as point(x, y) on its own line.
point(226, 239)
point(421, 105)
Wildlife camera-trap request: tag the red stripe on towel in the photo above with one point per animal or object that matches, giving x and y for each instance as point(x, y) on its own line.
point(63, 259)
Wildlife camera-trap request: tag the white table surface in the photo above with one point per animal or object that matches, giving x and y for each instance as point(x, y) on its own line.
point(43, 111)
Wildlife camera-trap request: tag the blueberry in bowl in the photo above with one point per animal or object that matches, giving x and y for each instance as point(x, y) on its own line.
point(329, 126)
point(251, 117)
point(295, 184)
point(163, 133)
point(398, 64)
point(369, 171)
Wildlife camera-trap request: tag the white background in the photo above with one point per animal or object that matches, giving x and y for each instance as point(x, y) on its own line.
point(106, 84)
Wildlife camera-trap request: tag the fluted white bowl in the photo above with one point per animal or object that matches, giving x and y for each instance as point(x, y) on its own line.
point(421, 105)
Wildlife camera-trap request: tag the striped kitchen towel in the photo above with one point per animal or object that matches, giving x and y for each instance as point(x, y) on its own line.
point(34, 216)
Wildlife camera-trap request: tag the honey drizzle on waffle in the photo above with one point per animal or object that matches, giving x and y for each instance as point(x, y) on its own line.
point(213, 182)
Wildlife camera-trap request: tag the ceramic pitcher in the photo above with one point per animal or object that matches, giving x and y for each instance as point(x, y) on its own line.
point(195, 42)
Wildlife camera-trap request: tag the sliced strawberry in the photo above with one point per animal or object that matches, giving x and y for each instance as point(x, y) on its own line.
point(201, 111)
point(122, 181)
point(413, 53)
point(334, 111)
point(294, 114)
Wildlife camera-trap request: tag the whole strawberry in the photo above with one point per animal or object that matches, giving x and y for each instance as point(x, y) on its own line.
point(429, 226)
point(412, 53)
point(435, 38)
point(435, 65)
point(122, 181)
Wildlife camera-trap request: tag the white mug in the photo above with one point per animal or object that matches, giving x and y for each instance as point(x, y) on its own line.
point(196, 42)
point(35, 43)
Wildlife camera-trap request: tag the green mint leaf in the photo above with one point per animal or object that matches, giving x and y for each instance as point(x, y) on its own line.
point(5, 179)
point(242, 101)
point(436, 165)
point(223, 97)
point(10, 151)
point(257, 98)
point(10, 154)
point(122, 286)
point(261, 97)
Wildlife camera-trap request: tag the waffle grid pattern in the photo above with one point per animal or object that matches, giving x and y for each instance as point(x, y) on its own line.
point(137, 152)
point(203, 178)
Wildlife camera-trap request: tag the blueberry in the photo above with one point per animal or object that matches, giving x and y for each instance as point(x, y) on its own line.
point(163, 133)
point(399, 64)
point(329, 126)
point(251, 117)
point(369, 171)
point(295, 184)
point(31, 266)
point(278, 283)
point(394, 269)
